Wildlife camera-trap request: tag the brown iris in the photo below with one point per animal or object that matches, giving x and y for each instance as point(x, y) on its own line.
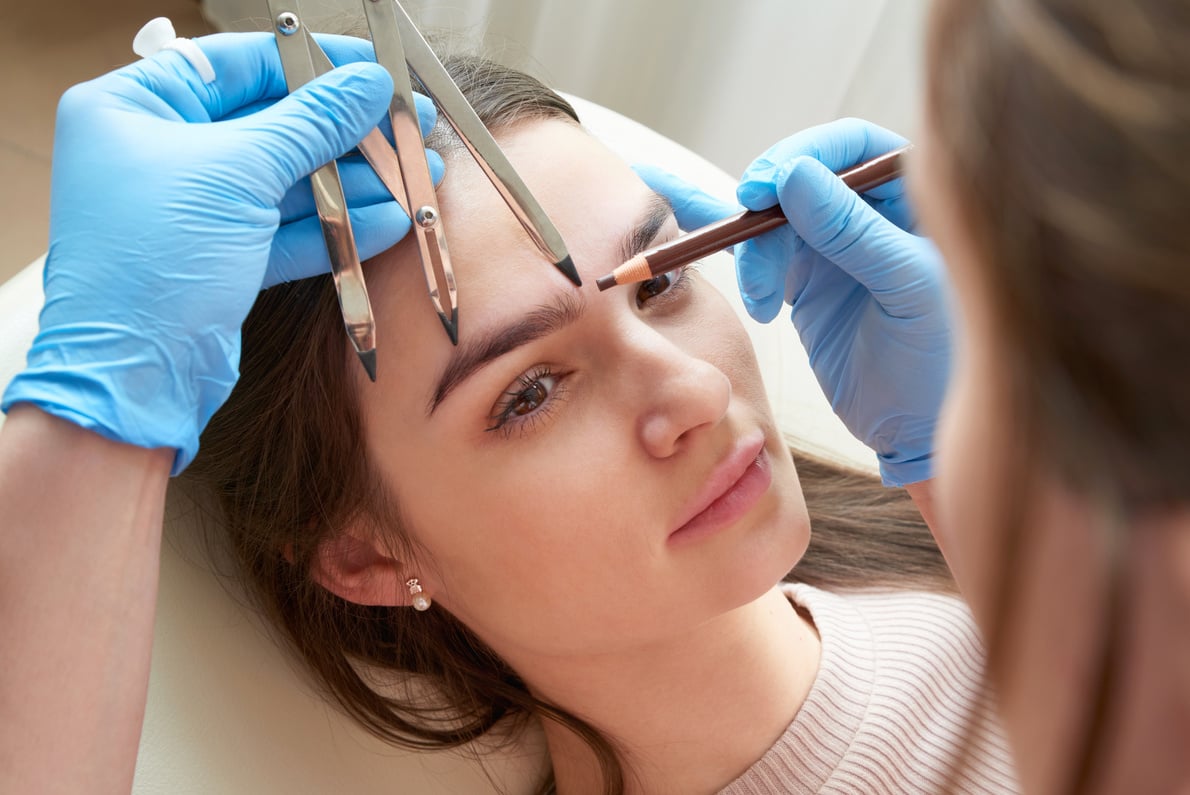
point(529, 398)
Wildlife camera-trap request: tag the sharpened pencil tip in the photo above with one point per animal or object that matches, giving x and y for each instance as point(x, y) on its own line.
point(451, 324)
point(567, 267)
point(606, 282)
point(368, 360)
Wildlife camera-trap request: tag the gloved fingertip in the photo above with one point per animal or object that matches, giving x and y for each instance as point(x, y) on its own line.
point(756, 194)
point(692, 206)
point(283, 268)
point(343, 48)
point(329, 115)
point(656, 178)
point(437, 166)
point(378, 228)
point(427, 113)
point(367, 70)
point(762, 309)
point(807, 173)
point(360, 85)
point(761, 169)
point(900, 474)
point(299, 251)
point(754, 274)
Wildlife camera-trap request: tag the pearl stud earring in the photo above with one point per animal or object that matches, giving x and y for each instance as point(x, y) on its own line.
point(421, 602)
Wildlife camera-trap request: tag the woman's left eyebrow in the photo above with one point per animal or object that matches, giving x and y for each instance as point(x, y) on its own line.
point(657, 211)
point(474, 353)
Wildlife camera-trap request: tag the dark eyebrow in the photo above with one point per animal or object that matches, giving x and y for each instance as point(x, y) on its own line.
point(472, 354)
point(657, 211)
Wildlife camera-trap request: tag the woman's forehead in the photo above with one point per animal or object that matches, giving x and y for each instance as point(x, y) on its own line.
point(589, 193)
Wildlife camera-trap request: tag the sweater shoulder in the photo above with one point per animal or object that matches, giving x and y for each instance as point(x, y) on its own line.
point(901, 693)
point(916, 624)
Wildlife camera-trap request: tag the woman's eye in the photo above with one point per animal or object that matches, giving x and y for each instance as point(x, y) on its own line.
point(665, 284)
point(524, 400)
point(531, 397)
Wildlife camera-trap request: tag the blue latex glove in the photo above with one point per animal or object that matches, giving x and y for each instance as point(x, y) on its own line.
point(869, 297)
point(173, 202)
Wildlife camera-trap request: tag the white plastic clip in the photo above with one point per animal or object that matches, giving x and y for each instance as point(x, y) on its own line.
point(158, 34)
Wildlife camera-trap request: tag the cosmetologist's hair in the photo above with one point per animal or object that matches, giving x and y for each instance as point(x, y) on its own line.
point(1064, 129)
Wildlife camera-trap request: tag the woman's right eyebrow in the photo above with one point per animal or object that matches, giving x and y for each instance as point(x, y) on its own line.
point(473, 354)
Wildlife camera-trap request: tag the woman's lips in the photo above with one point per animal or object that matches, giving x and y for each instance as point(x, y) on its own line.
point(734, 486)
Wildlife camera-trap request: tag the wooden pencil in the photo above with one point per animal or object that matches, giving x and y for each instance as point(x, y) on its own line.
point(742, 226)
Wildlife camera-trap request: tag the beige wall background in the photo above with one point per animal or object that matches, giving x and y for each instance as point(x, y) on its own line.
point(46, 47)
point(725, 79)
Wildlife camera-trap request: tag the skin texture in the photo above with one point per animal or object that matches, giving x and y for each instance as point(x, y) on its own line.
point(1061, 579)
point(78, 581)
point(549, 537)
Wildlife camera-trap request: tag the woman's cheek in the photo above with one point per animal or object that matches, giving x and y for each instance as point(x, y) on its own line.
point(723, 341)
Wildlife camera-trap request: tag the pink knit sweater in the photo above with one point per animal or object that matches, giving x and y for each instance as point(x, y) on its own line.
point(898, 685)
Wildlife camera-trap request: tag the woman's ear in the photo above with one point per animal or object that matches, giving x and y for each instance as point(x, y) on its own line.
point(358, 570)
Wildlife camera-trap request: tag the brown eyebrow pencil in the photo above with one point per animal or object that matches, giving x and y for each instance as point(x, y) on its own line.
point(721, 234)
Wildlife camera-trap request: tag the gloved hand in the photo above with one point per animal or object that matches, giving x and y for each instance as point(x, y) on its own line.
point(172, 203)
point(869, 296)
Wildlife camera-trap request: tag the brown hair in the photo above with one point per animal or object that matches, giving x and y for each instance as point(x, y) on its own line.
point(285, 459)
point(1064, 126)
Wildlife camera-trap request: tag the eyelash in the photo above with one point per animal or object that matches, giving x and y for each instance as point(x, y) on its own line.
point(504, 417)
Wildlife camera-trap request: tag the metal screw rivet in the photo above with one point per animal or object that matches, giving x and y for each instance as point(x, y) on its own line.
point(288, 23)
point(426, 217)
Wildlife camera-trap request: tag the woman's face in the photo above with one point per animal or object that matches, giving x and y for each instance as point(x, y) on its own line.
point(549, 466)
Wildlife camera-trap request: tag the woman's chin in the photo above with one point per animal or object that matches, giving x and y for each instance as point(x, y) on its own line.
point(771, 548)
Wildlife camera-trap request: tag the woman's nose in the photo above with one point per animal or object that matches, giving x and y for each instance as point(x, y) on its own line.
point(682, 395)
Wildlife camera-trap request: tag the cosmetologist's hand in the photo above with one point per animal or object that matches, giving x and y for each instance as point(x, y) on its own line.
point(173, 202)
point(868, 296)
